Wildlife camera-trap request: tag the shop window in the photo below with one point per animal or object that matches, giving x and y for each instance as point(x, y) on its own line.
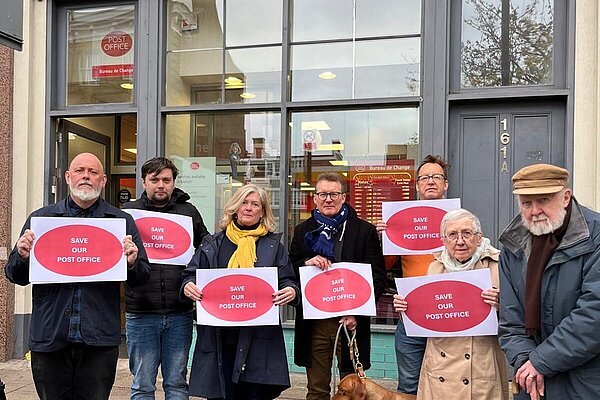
point(375, 152)
point(219, 153)
point(362, 69)
point(226, 51)
point(355, 49)
point(100, 55)
point(507, 42)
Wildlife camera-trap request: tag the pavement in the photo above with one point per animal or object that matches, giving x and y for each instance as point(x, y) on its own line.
point(16, 375)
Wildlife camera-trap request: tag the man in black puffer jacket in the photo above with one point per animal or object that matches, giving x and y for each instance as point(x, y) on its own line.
point(158, 322)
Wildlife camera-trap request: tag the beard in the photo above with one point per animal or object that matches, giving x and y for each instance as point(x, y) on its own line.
point(543, 225)
point(87, 194)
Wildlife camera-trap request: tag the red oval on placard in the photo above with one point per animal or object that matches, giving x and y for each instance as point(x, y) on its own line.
point(117, 43)
point(64, 250)
point(416, 228)
point(163, 239)
point(337, 290)
point(194, 166)
point(447, 314)
point(237, 297)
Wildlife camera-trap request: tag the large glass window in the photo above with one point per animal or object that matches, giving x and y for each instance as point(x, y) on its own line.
point(100, 55)
point(224, 51)
point(218, 153)
point(355, 49)
point(374, 150)
point(507, 42)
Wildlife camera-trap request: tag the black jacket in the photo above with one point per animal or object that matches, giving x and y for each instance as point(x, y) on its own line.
point(161, 293)
point(101, 305)
point(261, 349)
point(360, 245)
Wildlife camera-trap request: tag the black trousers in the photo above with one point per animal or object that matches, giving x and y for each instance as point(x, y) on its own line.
point(78, 372)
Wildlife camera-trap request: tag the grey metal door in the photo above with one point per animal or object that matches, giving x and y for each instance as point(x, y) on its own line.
point(488, 143)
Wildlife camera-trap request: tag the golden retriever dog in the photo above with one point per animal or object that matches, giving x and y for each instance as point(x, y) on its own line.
point(352, 387)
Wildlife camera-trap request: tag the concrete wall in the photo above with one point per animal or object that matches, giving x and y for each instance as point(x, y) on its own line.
point(586, 169)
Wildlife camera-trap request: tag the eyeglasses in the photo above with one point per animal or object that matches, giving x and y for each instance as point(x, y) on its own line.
point(466, 235)
point(332, 195)
point(437, 178)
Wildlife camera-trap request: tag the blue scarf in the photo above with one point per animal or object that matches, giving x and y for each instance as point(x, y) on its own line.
point(321, 239)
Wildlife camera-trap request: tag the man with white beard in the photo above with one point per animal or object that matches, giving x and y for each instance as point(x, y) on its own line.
point(550, 288)
point(75, 328)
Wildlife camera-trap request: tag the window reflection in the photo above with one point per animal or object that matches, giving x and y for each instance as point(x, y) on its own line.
point(374, 151)
point(100, 55)
point(201, 70)
point(253, 75)
point(363, 69)
point(498, 51)
point(233, 149)
point(369, 49)
point(388, 17)
point(253, 22)
point(320, 20)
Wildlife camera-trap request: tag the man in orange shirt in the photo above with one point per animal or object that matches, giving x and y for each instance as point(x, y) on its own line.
point(432, 183)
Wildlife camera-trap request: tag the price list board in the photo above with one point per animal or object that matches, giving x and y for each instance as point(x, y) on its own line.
point(372, 184)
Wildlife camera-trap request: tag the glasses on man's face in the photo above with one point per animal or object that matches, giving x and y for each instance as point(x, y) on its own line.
point(437, 178)
point(332, 195)
point(466, 235)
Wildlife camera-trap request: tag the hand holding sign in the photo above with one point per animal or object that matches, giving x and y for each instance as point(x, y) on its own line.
point(450, 304)
point(192, 291)
point(284, 296)
point(24, 243)
point(491, 296)
point(130, 250)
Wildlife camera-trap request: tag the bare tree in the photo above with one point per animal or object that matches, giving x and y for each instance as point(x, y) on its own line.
point(514, 46)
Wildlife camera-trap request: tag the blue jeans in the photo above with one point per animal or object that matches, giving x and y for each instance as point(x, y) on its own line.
point(409, 356)
point(154, 339)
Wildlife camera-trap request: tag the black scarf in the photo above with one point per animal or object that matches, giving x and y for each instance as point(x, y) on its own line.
point(542, 249)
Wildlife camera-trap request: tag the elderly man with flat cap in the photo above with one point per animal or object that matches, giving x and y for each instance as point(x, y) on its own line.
point(550, 288)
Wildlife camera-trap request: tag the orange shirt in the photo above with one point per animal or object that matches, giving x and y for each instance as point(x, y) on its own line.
point(416, 265)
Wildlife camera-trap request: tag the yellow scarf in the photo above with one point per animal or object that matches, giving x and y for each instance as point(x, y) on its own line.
point(245, 255)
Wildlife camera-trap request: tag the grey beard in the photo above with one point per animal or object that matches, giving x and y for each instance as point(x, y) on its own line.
point(85, 195)
point(546, 227)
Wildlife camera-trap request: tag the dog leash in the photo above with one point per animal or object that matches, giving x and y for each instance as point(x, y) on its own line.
point(353, 349)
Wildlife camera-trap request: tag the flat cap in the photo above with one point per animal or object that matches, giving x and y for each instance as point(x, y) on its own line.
point(540, 179)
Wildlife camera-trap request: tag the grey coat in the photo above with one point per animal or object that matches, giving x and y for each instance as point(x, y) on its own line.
point(261, 349)
point(567, 349)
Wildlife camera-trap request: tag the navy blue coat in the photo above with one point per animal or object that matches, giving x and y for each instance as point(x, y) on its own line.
point(100, 307)
point(261, 356)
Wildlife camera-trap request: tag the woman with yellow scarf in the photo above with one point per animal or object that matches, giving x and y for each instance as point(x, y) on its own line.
point(246, 362)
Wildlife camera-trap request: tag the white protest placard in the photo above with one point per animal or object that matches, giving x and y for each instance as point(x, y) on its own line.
point(77, 250)
point(413, 227)
point(448, 305)
point(237, 297)
point(344, 289)
point(167, 238)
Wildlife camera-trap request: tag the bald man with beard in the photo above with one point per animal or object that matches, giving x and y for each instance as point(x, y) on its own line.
point(75, 328)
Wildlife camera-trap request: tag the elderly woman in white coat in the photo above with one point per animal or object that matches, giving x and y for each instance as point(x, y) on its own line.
point(471, 367)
